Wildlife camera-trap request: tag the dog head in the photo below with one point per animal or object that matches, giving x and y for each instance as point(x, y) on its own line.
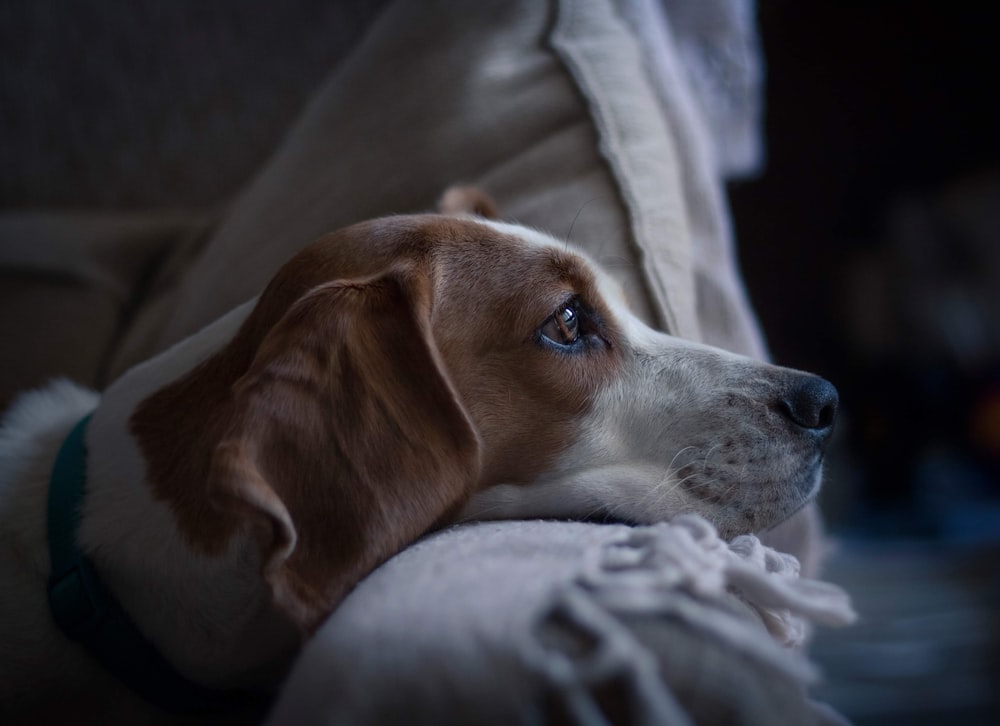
point(410, 371)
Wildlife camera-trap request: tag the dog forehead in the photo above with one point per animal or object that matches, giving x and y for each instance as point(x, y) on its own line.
point(606, 286)
point(526, 235)
point(530, 264)
point(572, 263)
point(499, 239)
point(506, 257)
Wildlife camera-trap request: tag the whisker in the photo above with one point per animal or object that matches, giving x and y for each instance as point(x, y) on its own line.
point(729, 489)
point(704, 464)
point(670, 466)
point(666, 481)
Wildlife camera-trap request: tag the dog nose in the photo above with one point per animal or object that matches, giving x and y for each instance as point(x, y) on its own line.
point(810, 402)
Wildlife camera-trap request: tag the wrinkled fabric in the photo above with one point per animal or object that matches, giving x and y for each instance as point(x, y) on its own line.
point(514, 622)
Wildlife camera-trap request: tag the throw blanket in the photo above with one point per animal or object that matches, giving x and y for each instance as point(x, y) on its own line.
point(532, 622)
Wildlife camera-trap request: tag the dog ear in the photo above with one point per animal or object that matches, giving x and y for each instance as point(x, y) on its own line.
point(468, 200)
point(346, 439)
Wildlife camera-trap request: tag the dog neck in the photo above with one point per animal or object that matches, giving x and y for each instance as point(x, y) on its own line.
point(197, 611)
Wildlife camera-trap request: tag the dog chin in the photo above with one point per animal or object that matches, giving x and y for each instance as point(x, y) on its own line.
point(806, 490)
point(731, 522)
point(809, 484)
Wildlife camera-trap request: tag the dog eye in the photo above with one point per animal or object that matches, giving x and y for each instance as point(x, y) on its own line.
point(563, 327)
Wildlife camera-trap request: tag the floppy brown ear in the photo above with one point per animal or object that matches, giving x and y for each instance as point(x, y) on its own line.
point(468, 200)
point(347, 440)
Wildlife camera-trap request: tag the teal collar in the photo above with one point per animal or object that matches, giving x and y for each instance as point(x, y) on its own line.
point(86, 610)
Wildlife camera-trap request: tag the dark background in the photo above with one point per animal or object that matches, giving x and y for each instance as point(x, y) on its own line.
point(871, 250)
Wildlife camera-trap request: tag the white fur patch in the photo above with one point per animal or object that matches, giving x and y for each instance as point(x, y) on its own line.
point(33, 422)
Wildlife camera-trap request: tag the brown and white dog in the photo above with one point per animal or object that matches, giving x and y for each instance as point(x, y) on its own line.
point(394, 376)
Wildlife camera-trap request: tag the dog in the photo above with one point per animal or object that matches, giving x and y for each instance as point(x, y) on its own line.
point(394, 377)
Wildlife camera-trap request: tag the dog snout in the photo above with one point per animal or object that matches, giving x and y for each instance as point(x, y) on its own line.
point(810, 402)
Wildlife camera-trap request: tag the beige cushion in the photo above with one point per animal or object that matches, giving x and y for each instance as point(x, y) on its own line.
point(545, 105)
point(70, 282)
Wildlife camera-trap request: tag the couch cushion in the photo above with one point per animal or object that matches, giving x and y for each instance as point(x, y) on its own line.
point(543, 104)
point(69, 284)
